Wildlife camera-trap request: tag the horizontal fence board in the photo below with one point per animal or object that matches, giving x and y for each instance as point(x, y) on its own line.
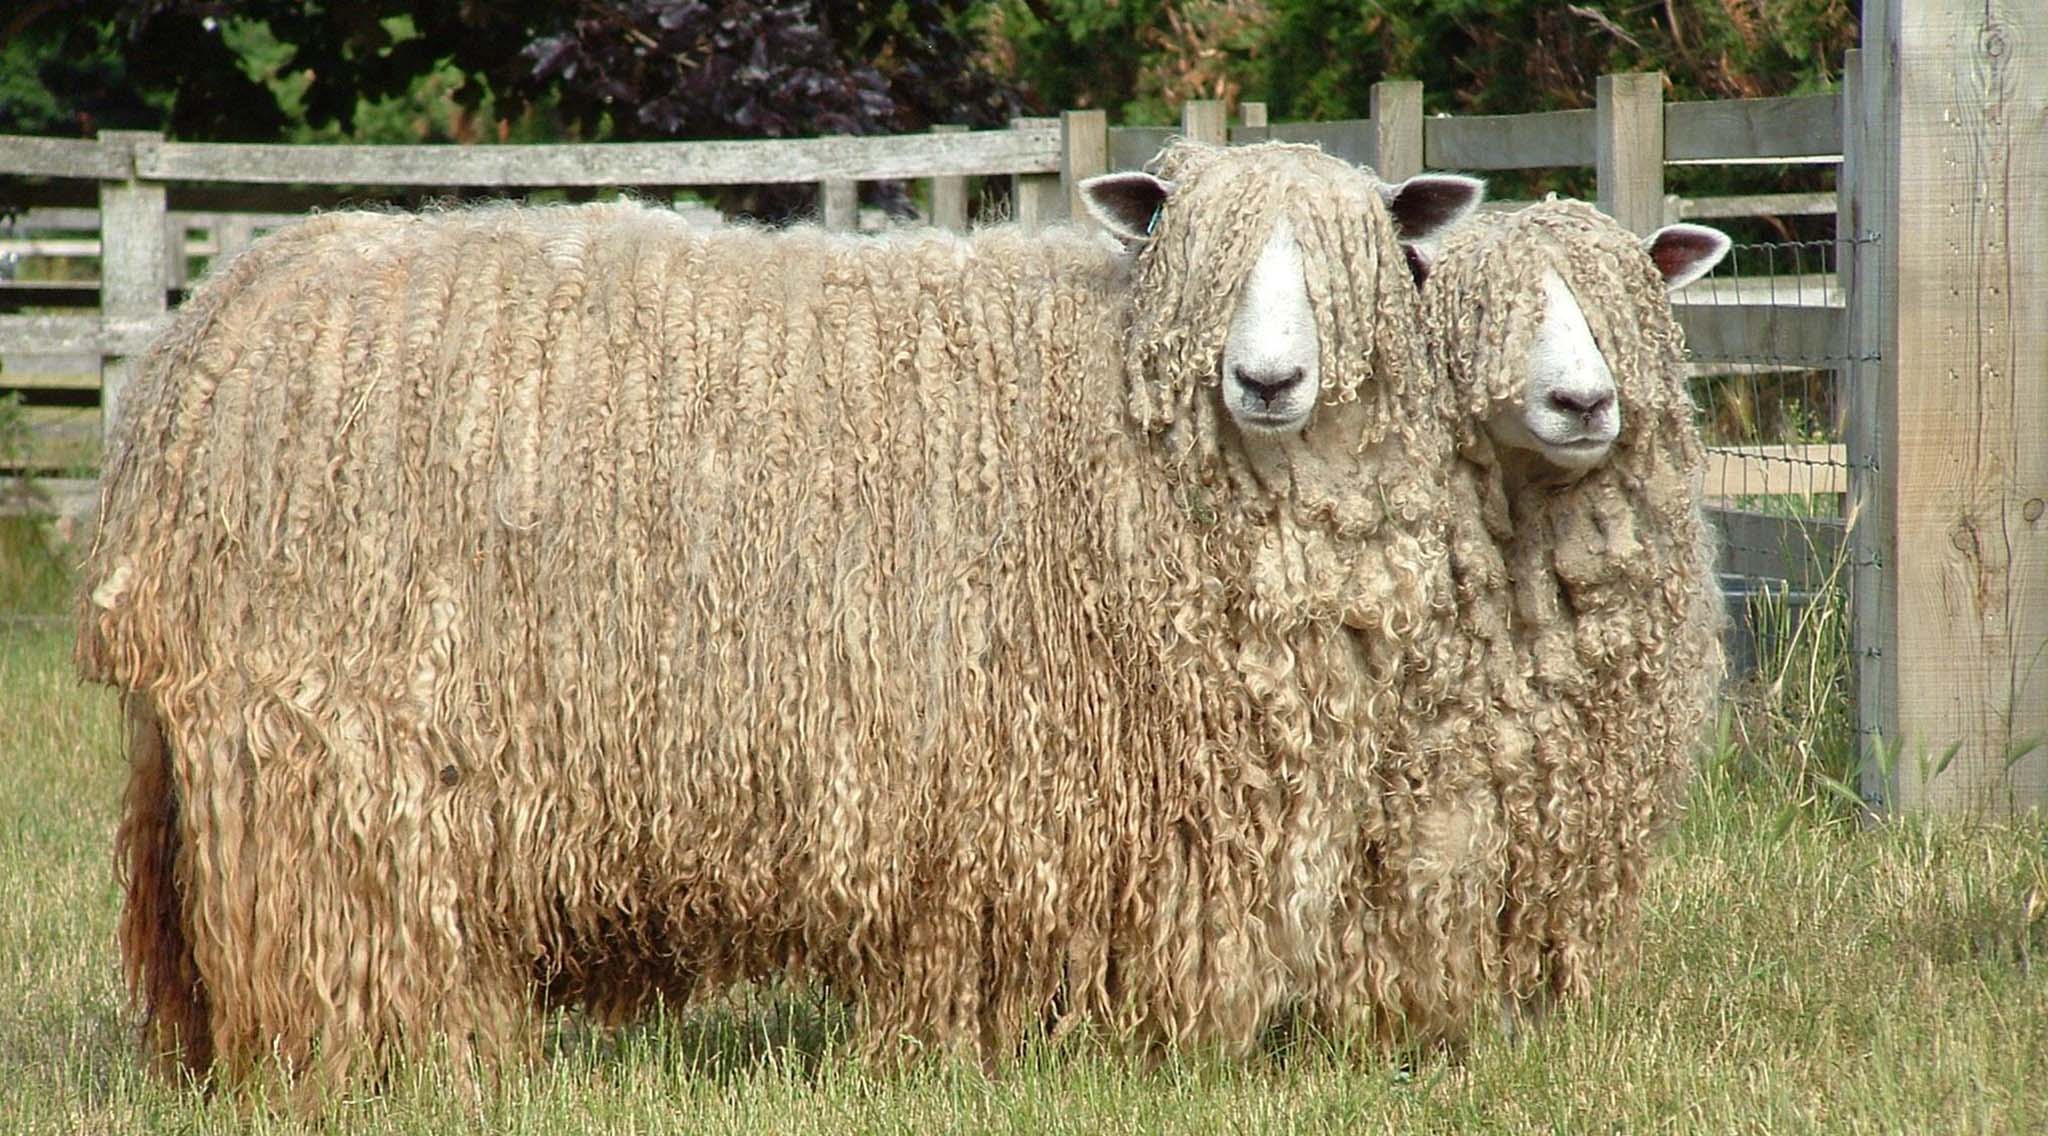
point(1743, 130)
point(1130, 147)
point(66, 497)
point(771, 161)
point(1508, 141)
point(1752, 205)
point(32, 156)
point(59, 437)
point(1810, 336)
point(1802, 551)
point(75, 335)
point(1772, 471)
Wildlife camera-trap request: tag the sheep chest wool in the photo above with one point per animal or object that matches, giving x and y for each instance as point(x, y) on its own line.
point(533, 607)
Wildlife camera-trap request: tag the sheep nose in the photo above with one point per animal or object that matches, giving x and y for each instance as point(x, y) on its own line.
point(1587, 404)
point(1269, 386)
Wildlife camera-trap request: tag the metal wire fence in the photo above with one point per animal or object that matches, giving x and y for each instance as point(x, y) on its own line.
point(1769, 345)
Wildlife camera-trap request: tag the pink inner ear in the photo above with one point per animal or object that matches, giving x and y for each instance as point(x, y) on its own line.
point(1675, 253)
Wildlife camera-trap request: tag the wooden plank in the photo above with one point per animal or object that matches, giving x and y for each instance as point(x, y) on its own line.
point(1038, 198)
point(59, 438)
point(132, 260)
point(1968, 87)
point(1779, 129)
point(1629, 149)
point(1396, 108)
point(49, 372)
point(1509, 141)
point(1031, 149)
point(69, 499)
point(1802, 551)
point(1776, 471)
point(839, 204)
point(1133, 147)
point(1084, 145)
point(1862, 189)
point(76, 335)
point(31, 156)
point(1205, 120)
point(1755, 332)
point(1751, 205)
point(949, 193)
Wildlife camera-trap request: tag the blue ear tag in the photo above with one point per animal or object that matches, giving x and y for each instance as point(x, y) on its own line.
point(1153, 223)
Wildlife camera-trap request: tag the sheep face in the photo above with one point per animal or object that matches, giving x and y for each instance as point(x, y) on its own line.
point(1271, 360)
point(1565, 406)
point(1263, 271)
point(1568, 411)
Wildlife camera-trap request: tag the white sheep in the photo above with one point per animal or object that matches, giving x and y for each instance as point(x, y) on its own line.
point(520, 607)
point(1588, 576)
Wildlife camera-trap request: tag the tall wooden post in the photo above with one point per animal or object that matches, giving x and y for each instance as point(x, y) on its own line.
point(1039, 199)
point(839, 203)
point(1965, 384)
point(132, 264)
point(1084, 153)
point(949, 194)
point(1629, 149)
point(1251, 123)
point(1396, 106)
point(1206, 120)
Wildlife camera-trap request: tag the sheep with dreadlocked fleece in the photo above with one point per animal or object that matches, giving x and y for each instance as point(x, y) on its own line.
point(1591, 584)
point(525, 607)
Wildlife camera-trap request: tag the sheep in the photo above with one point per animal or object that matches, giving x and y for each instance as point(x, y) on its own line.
point(519, 608)
point(1588, 575)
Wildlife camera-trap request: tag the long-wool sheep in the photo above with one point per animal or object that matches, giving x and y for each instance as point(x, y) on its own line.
point(1593, 590)
point(528, 607)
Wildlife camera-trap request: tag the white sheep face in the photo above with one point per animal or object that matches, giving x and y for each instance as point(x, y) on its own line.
point(1568, 411)
point(1271, 372)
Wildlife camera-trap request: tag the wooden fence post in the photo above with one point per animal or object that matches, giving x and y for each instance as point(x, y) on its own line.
point(839, 203)
point(1629, 149)
point(949, 194)
point(1039, 199)
point(1205, 120)
point(1251, 123)
point(1396, 107)
point(132, 263)
point(1084, 153)
point(232, 232)
point(1964, 466)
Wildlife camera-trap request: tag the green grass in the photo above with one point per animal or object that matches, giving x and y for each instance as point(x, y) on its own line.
point(1800, 970)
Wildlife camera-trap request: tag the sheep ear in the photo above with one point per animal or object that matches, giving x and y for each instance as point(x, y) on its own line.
point(1427, 204)
point(1127, 204)
point(1684, 253)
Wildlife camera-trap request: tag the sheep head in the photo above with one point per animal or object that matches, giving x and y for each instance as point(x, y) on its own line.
point(1263, 272)
point(1541, 321)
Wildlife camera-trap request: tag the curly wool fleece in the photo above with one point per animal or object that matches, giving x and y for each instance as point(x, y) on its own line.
point(529, 607)
point(1604, 619)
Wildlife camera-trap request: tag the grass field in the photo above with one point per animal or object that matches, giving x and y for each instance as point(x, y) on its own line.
point(1800, 970)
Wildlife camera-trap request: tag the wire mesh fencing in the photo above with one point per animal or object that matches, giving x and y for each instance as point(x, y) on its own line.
point(1770, 349)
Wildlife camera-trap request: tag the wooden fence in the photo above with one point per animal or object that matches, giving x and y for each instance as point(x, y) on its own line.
point(1933, 318)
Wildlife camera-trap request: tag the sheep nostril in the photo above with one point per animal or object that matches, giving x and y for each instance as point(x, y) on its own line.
point(1269, 386)
point(1575, 403)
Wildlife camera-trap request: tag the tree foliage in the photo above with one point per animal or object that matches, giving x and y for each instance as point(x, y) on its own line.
point(614, 68)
